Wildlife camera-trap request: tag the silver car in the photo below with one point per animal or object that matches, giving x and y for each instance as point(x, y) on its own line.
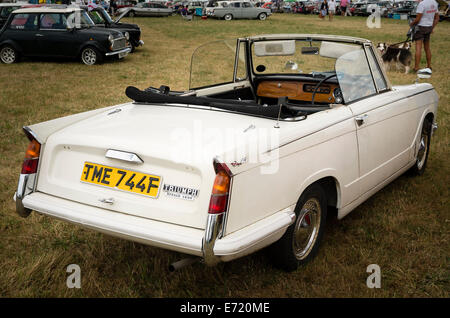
point(237, 10)
point(146, 10)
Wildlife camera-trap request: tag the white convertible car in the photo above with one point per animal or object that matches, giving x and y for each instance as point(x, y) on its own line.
point(273, 132)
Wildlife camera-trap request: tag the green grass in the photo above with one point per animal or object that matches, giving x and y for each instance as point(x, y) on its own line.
point(404, 228)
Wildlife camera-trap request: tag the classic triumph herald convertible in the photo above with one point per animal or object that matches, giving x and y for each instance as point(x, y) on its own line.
point(273, 132)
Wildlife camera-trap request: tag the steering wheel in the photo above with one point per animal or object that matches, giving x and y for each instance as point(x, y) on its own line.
point(318, 85)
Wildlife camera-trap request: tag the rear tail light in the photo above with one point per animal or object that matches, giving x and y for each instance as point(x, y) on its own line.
point(30, 163)
point(221, 189)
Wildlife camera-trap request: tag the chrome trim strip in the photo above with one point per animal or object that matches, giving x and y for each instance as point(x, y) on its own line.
point(124, 156)
point(28, 131)
point(391, 102)
point(125, 50)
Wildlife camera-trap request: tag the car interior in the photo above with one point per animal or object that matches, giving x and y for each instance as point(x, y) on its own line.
point(286, 81)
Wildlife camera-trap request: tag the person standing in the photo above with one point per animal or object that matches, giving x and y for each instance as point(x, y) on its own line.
point(426, 19)
point(323, 9)
point(344, 7)
point(331, 9)
point(112, 7)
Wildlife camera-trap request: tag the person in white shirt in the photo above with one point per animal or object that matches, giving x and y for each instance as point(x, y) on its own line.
point(426, 20)
point(331, 8)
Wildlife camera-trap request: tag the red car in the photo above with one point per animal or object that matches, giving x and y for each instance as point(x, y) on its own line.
point(125, 3)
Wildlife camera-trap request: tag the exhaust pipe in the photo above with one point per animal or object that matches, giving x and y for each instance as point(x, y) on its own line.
point(182, 263)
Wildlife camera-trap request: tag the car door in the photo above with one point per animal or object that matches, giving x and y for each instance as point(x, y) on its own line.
point(22, 30)
point(236, 10)
point(248, 11)
point(150, 10)
point(382, 117)
point(54, 39)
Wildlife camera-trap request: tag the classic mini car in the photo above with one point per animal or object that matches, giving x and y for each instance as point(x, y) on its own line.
point(146, 9)
point(56, 32)
point(101, 18)
point(230, 10)
point(273, 132)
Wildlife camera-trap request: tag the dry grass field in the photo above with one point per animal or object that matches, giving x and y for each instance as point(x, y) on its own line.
point(404, 228)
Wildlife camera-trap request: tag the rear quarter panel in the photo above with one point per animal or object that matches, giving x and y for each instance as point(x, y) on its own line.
point(323, 145)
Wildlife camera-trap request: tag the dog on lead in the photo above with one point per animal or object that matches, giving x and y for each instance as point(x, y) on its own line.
point(398, 55)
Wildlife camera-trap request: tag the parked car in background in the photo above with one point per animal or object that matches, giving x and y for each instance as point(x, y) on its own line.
point(53, 32)
point(386, 8)
point(195, 6)
point(146, 9)
point(405, 7)
point(230, 10)
point(303, 7)
point(364, 8)
point(101, 18)
point(6, 9)
point(235, 163)
point(125, 3)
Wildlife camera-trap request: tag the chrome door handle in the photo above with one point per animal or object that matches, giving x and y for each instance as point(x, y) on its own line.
point(360, 119)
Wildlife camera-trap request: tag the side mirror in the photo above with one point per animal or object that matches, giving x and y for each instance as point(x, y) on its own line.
point(310, 50)
point(422, 76)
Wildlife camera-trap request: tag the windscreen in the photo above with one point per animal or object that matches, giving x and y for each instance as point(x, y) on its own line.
point(213, 64)
point(300, 57)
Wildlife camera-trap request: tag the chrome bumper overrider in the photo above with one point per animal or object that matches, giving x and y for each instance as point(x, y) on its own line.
point(125, 50)
point(24, 187)
point(141, 43)
point(213, 231)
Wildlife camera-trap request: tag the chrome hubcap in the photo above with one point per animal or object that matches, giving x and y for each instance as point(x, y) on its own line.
point(89, 57)
point(8, 55)
point(422, 154)
point(306, 228)
point(262, 17)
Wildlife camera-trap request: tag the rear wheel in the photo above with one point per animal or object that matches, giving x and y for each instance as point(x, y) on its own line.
point(8, 54)
point(131, 14)
point(262, 16)
point(424, 149)
point(302, 239)
point(90, 56)
point(228, 17)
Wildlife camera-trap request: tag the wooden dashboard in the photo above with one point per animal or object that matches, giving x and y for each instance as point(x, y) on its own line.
point(296, 90)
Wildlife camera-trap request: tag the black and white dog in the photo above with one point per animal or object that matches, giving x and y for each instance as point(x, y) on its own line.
point(397, 54)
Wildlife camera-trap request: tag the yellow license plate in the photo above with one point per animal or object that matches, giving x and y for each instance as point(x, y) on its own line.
point(121, 179)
